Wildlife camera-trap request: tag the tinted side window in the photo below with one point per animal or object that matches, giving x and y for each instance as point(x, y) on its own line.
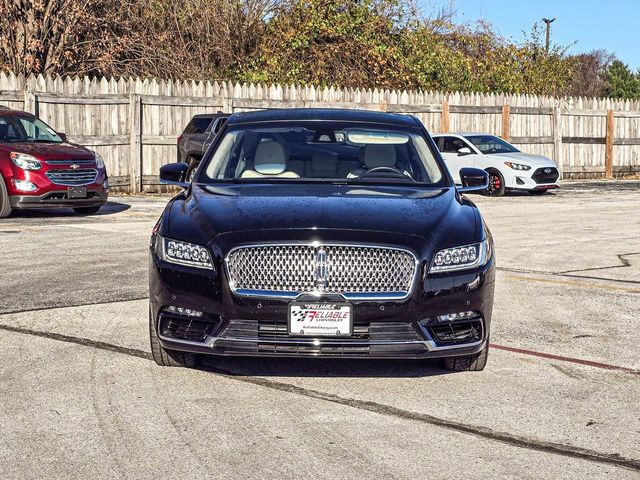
point(197, 125)
point(218, 123)
point(452, 145)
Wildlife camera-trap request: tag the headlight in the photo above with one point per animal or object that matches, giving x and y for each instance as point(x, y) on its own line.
point(24, 161)
point(183, 253)
point(99, 160)
point(517, 166)
point(461, 258)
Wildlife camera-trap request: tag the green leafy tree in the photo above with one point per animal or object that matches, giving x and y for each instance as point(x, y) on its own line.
point(622, 82)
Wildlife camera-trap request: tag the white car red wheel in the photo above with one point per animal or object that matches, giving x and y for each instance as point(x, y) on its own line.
point(496, 186)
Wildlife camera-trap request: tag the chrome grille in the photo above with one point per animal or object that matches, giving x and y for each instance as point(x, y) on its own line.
point(69, 161)
point(73, 177)
point(349, 270)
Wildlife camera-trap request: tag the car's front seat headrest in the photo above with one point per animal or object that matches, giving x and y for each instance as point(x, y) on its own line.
point(379, 156)
point(270, 158)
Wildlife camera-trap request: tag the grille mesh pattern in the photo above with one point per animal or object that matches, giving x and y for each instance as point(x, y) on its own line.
point(293, 268)
point(73, 177)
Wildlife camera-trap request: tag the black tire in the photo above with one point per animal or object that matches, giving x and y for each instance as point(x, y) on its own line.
point(5, 206)
point(86, 210)
point(168, 358)
point(468, 363)
point(496, 184)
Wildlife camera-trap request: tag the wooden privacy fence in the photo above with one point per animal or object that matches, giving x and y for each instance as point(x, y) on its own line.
point(134, 124)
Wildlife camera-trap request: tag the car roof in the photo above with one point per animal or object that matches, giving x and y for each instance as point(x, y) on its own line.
point(462, 134)
point(328, 114)
point(211, 115)
point(9, 111)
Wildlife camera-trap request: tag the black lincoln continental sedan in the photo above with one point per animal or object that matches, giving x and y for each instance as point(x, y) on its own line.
point(332, 233)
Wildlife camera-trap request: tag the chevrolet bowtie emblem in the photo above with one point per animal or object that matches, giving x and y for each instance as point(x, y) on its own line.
point(74, 166)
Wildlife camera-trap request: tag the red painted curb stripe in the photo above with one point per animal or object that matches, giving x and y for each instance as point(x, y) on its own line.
point(562, 358)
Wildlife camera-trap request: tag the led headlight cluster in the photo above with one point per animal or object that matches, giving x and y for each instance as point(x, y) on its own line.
point(184, 253)
point(460, 258)
point(517, 166)
point(25, 161)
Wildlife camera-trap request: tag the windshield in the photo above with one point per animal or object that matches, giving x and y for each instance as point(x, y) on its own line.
point(325, 152)
point(488, 144)
point(19, 128)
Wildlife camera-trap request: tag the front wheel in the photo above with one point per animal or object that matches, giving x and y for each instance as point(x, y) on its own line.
point(5, 206)
point(468, 363)
point(496, 186)
point(86, 210)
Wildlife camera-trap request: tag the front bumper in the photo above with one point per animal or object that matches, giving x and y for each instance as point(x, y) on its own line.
point(58, 199)
point(535, 179)
point(233, 325)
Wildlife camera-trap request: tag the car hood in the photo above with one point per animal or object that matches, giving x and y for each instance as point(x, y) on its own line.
point(536, 161)
point(229, 216)
point(49, 150)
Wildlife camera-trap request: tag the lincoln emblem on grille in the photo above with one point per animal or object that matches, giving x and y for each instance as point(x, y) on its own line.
point(322, 269)
point(547, 170)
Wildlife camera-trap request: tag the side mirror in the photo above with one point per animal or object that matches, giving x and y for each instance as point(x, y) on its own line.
point(464, 151)
point(174, 174)
point(63, 136)
point(473, 180)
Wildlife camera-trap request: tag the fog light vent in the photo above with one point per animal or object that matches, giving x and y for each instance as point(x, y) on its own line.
point(457, 333)
point(184, 328)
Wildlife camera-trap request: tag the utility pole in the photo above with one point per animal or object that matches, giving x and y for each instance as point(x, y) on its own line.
point(548, 21)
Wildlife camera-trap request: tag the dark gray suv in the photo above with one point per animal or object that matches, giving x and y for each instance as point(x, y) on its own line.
point(197, 136)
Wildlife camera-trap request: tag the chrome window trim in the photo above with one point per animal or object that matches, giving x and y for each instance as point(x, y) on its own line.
point(267, 294)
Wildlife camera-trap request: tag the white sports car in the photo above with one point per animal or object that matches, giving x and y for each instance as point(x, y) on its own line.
point(507, 166)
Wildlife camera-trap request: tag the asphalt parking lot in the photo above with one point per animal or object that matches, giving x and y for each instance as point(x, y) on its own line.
point(80, 397)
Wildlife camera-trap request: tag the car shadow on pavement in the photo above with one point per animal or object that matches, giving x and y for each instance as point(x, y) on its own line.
point(322, 367)
point(109, 208)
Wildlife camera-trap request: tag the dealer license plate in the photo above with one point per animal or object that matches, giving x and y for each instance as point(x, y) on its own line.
point(320, 319)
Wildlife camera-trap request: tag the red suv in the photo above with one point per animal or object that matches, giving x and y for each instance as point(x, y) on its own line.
point(40, 169)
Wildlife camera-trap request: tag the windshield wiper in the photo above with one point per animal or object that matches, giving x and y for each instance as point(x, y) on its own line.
point(388, 173)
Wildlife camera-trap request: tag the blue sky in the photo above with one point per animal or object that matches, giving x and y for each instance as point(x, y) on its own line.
point(613, 25)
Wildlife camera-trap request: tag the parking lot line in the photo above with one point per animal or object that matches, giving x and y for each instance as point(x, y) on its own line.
point(574, 283)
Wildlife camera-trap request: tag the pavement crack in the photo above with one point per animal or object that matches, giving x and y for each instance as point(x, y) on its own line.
point(72, 305)
point(624, 262)
point(367, 405)
point(132, 352)
point(572, 273)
